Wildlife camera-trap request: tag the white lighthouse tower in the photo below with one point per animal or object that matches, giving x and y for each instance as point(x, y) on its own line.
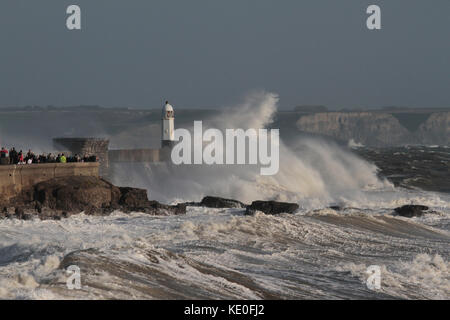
point(168, 127)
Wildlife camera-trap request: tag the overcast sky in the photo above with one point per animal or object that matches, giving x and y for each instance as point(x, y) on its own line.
point(210, 53)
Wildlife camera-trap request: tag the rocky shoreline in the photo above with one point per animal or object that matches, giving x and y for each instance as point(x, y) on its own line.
point(63, 197)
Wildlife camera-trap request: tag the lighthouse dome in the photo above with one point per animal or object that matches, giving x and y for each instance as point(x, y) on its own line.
point(167, 111)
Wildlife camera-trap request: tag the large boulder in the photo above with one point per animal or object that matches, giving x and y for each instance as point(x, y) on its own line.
point(411, 210)
point(216, 202)
point(76, 193)
point(133, 197)
point(62, 197)
point(156, 208)
point(271, 207)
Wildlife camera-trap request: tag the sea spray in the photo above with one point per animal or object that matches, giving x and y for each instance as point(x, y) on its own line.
point(314, 169)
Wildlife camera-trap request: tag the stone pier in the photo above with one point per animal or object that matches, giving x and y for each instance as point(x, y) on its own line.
point(86, 147)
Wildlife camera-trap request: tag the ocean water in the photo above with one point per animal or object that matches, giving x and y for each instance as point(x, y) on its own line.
point(222, 254)
point(316, 253)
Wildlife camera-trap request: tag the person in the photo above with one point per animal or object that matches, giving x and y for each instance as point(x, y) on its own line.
point(63, 158)
point(20, 158)
point(13, 156)
point(50, 158)
point(4, 152)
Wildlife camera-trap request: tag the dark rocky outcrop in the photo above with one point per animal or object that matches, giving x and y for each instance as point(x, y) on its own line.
point(77, 193)
point(411, 210)
point(62, 197)
point(65, 196)
point(217, 202)
point(132, 197)
point(268, 207)
point(271, 207)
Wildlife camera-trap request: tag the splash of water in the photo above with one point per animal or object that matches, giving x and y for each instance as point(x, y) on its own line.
point(314, 170)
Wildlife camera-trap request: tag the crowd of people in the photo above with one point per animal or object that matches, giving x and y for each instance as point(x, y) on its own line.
point(18, 157)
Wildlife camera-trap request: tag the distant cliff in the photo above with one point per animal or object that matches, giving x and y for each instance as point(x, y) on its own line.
point(380, 128)
point(436, 130)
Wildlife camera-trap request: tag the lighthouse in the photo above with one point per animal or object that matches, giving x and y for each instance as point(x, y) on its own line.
point(168, 127)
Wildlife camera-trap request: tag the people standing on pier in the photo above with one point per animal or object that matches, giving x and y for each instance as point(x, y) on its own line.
point(50, 158)
point(32, 158)
point(4, 152)
point(13, 156)
point(20, 158)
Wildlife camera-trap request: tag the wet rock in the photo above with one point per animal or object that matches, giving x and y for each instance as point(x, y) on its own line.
point(216, 202)
point(19, 213)
point(411, 210)
point(38, 207)
point(62, 197)
point(27, 216)
point(156, 208)
point(271, 207)
point(74, 193)
point(133, 197)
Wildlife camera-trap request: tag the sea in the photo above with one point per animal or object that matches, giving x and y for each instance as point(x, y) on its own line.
point(316, 253)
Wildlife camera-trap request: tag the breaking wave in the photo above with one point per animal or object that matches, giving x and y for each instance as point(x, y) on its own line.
point(311, 170)
point(221, 254)
point(317, 253)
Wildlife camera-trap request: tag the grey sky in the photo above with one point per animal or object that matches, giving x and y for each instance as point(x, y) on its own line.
point(210, 53)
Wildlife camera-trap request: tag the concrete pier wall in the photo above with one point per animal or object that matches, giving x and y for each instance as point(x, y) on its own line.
point(14, 178)
point(86, 147)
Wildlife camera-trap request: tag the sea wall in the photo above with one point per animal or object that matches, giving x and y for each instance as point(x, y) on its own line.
point(86, 147)
point(14, 178)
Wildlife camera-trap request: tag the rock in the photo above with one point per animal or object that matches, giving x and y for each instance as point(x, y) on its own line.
point(411, 210)
point(156, 208)
point(216, 202)
point(38, 207)
point(19, 212)
point(4, 212)
point(46, 213)
point(75, 193)
point(62, 197)
point(133, 197)
point(27, 216)
point(271, 207)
